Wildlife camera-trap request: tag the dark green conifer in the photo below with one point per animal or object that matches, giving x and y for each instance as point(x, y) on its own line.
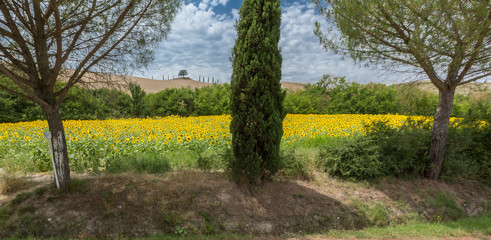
point(257, 98)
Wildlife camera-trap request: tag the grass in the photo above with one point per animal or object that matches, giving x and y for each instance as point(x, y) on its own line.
point(476, 227)
point(372, 213)
point(198, 237)
point(10, 183)
point(446, 207)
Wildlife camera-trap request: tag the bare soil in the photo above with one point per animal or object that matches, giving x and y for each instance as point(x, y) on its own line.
point(113, 206)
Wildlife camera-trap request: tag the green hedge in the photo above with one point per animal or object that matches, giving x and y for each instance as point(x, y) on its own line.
point(329, 96)
point(403, 152)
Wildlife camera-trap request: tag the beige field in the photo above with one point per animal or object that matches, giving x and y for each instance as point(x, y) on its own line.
point(465, 89)
point(97, 80)
point(152, 86)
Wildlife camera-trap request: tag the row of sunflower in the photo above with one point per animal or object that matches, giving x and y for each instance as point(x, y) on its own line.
point(176, 130)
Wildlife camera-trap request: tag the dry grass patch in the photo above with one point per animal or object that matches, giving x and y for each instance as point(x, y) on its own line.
point(11, 183)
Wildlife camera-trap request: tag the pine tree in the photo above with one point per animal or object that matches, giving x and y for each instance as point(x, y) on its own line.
point(257, 98)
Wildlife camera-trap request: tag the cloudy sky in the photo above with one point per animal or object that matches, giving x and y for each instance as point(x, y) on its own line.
point(203, 35)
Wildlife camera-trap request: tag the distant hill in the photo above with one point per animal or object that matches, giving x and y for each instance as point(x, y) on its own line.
point(152, 86)
point(465, 89)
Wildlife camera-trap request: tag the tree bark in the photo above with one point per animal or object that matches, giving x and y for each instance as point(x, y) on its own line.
point(440, 133)
point(59, 147)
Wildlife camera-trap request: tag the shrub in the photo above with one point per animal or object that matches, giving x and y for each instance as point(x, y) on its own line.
point(468, 154)
point(354, 158)
point(403, 150)
point(295, 166)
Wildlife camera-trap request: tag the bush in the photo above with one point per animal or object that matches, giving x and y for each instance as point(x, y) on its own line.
point(293, 165)
point(353, 158)
point(403, 150)
point(468, 154)
point(170, 102)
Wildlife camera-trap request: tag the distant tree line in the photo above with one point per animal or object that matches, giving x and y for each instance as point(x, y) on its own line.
point(332, 96)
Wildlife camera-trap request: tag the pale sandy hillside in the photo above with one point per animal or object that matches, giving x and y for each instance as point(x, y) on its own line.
point(152, 86)
point(466, 89)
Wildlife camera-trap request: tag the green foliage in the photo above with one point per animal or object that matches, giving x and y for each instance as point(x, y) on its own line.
point(334, 95)
point(417, 102)
point(371, 213)
point(183, 73)
point(331, 95)
point(355, 157)
point(146, 162)
point(257, 98)
point(170, 101)
point(296, 165)
point(212, 100)
point(355, 98)
point(208, 159)
point(479, 107)
point(137, 96)
point(445, 208)
point(14, 108)
point(385, 150)
point(403, 150)
point(476, 226)
point(468, 155)
point(80, 103)
point(403, 32)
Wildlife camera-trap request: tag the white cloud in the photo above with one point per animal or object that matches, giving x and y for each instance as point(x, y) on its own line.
point(201, 42)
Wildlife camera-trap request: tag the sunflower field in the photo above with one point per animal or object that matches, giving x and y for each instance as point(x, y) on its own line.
point(93, 145)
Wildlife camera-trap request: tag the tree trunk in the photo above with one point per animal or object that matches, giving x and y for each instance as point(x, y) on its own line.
point(59, 147)
point(440, 133)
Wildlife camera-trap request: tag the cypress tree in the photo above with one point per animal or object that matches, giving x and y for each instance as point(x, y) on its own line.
point(257, 98)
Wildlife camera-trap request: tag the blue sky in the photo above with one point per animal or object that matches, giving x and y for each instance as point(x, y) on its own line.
point(203, 35)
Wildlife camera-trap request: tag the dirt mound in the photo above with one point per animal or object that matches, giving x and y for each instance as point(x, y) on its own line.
point(207, 203)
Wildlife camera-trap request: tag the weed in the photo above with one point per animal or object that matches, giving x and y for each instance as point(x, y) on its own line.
point(5, 213)
point(208, 160)
point(477, 226)
point(30, 225)
point(445, 207)
point(26, 209)
point(146, 162)
point(295, 165)
point(40, 191)
point(373, 214)
point(208, 223)
point(169, 221)
point(180, 231)
point(76, 185)
point(21, 198)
